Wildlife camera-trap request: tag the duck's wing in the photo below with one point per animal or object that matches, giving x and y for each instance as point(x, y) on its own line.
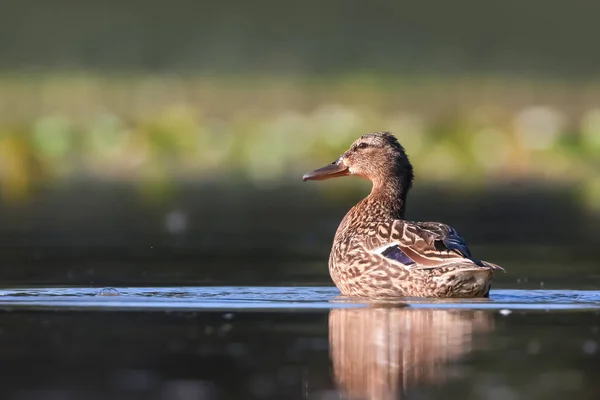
point(423, 245)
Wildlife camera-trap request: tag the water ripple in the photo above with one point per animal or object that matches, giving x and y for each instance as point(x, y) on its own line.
point(254, 297)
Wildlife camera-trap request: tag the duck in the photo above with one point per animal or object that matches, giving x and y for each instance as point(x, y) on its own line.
point(377, 253)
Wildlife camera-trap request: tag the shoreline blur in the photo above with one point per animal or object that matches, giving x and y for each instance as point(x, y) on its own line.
point(168, 128)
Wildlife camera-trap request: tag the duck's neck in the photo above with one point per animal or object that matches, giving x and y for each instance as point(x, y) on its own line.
point(387, 201)
point(388, 198)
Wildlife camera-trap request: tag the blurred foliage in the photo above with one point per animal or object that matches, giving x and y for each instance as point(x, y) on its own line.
point(157, 129)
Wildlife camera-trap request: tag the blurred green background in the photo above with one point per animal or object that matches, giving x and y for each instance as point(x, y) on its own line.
point(153, 142)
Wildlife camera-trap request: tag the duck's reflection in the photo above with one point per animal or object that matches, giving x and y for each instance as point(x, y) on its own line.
point(378, 353)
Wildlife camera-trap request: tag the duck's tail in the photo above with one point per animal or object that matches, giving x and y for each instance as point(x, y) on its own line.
point(493, 267)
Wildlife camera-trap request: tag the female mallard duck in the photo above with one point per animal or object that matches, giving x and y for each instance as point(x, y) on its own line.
point(378, 254)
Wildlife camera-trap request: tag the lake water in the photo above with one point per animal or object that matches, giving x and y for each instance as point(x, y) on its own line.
point(242, 298)
point(295, 343)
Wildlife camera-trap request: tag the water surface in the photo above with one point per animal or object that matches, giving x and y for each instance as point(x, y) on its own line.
point(264, 297)
point(295, 343)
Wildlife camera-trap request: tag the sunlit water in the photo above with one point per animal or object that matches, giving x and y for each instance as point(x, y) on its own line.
point(245, 298)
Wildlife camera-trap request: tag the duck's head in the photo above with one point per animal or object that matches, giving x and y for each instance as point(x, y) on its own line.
point(376, 156)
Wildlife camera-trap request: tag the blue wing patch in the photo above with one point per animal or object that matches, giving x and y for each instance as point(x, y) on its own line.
point(394, 253)
point(457, 244)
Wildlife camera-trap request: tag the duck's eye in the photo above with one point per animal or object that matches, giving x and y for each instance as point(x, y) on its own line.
point(362, 145)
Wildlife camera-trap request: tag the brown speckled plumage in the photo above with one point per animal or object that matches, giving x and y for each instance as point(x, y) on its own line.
point(378, 254)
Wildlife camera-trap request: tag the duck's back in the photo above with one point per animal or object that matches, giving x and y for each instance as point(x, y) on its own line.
point(402, 258)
